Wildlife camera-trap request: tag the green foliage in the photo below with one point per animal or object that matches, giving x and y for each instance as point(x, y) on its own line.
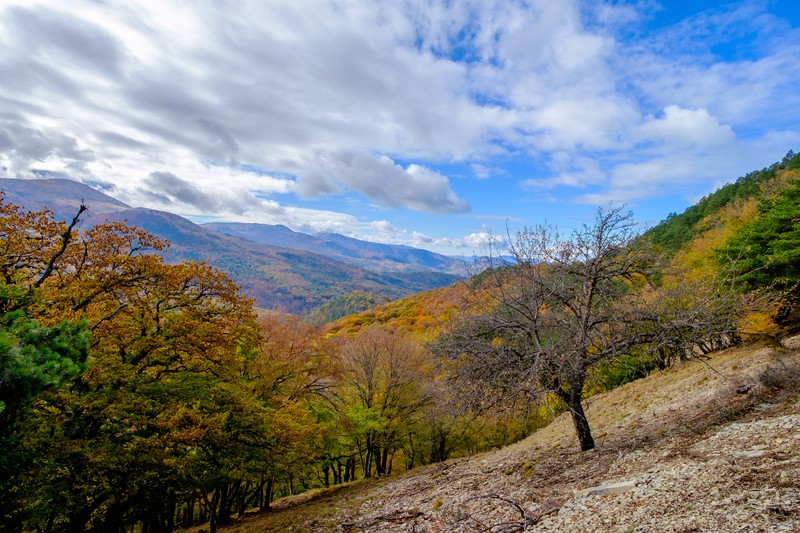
point(422, 314)
point(677, 230)
point(132, 391)
point(609, 375)
point(34, 358)
point(342, 306)
point(767, 250)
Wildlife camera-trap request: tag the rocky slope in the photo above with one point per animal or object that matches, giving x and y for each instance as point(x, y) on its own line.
point(706, 446)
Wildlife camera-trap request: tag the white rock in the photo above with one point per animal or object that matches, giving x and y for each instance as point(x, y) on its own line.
point(611, 489)
point(749, 453)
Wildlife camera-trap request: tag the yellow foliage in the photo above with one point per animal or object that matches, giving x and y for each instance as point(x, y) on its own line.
point(422, 315)
point(760, 325)
point(697, 261)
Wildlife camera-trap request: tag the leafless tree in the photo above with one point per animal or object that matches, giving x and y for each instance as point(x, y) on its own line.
point(566, 304)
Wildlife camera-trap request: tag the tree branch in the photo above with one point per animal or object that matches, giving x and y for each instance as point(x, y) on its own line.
point(66, 237)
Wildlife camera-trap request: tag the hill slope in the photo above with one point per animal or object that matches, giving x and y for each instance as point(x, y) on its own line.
point(705, 446)
point(283, 279)
point(677, 230)
point(61, 196)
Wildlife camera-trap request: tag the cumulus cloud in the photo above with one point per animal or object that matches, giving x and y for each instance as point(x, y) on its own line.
point(574, 172)
point(168, 185)
point(475, 241)
point(168, 189)
point(224, 138)
point(383, 226)
point(693, 127)
point(381, 180)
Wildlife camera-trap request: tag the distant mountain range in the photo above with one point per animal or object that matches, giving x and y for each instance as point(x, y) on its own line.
point(371, 255)
point(281, 269)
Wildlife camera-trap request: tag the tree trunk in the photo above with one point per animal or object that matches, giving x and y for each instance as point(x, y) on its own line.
point(171, 510)
point(367, 466)
point(385, 461)
point(212, 509)
point(268, 493)
point(580, 422)
point(350, 470)
point(337, 473)
point(379, 465)
point(572, 399)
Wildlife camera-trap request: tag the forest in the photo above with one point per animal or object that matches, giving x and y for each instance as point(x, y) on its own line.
point(137, 395)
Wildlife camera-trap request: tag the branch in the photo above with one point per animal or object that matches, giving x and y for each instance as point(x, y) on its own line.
point(509, 527)
point(65, 239)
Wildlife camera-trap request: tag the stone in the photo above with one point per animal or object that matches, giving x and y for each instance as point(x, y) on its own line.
point(749, 453)
point(611, 489)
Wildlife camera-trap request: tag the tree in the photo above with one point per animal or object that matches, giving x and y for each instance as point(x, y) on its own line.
point(385, 386)
point(768, 248)
point(161, 414)
point(564, 306)
point(33, 358)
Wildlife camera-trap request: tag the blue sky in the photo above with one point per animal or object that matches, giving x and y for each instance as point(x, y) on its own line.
point(422, 122)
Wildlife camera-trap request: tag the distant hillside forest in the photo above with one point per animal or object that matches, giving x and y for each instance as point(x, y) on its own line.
point(146, 396)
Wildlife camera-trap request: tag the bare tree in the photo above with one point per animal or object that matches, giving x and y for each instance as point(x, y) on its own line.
point(567, 304)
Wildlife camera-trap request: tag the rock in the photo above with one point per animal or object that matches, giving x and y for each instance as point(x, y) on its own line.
point(611, 489)
point(749, 453)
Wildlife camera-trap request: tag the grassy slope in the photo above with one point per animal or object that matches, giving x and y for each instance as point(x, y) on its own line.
point(647, 430)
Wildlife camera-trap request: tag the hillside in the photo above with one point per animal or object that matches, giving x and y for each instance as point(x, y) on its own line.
point(283, 279)
point(61, 196)
point(706, 446)
point(229, 413)
point(423, 314)
point(677, 230)
point(688, 240)
point(277, 277)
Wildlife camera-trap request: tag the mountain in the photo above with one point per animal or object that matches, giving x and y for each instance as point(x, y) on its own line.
point(375, 256)
point(277, 277)
point(61, 196)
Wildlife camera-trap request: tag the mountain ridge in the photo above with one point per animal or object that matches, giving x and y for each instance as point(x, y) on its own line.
point(343, 248)
point(278, 278)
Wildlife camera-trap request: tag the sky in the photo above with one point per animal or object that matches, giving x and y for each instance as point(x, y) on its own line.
point(431, 123)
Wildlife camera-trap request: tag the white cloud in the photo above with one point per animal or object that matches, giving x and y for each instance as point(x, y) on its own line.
point(257, 109)
point(383, 226)
point(575, 172)
point(693, 127)
point(380, 179)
